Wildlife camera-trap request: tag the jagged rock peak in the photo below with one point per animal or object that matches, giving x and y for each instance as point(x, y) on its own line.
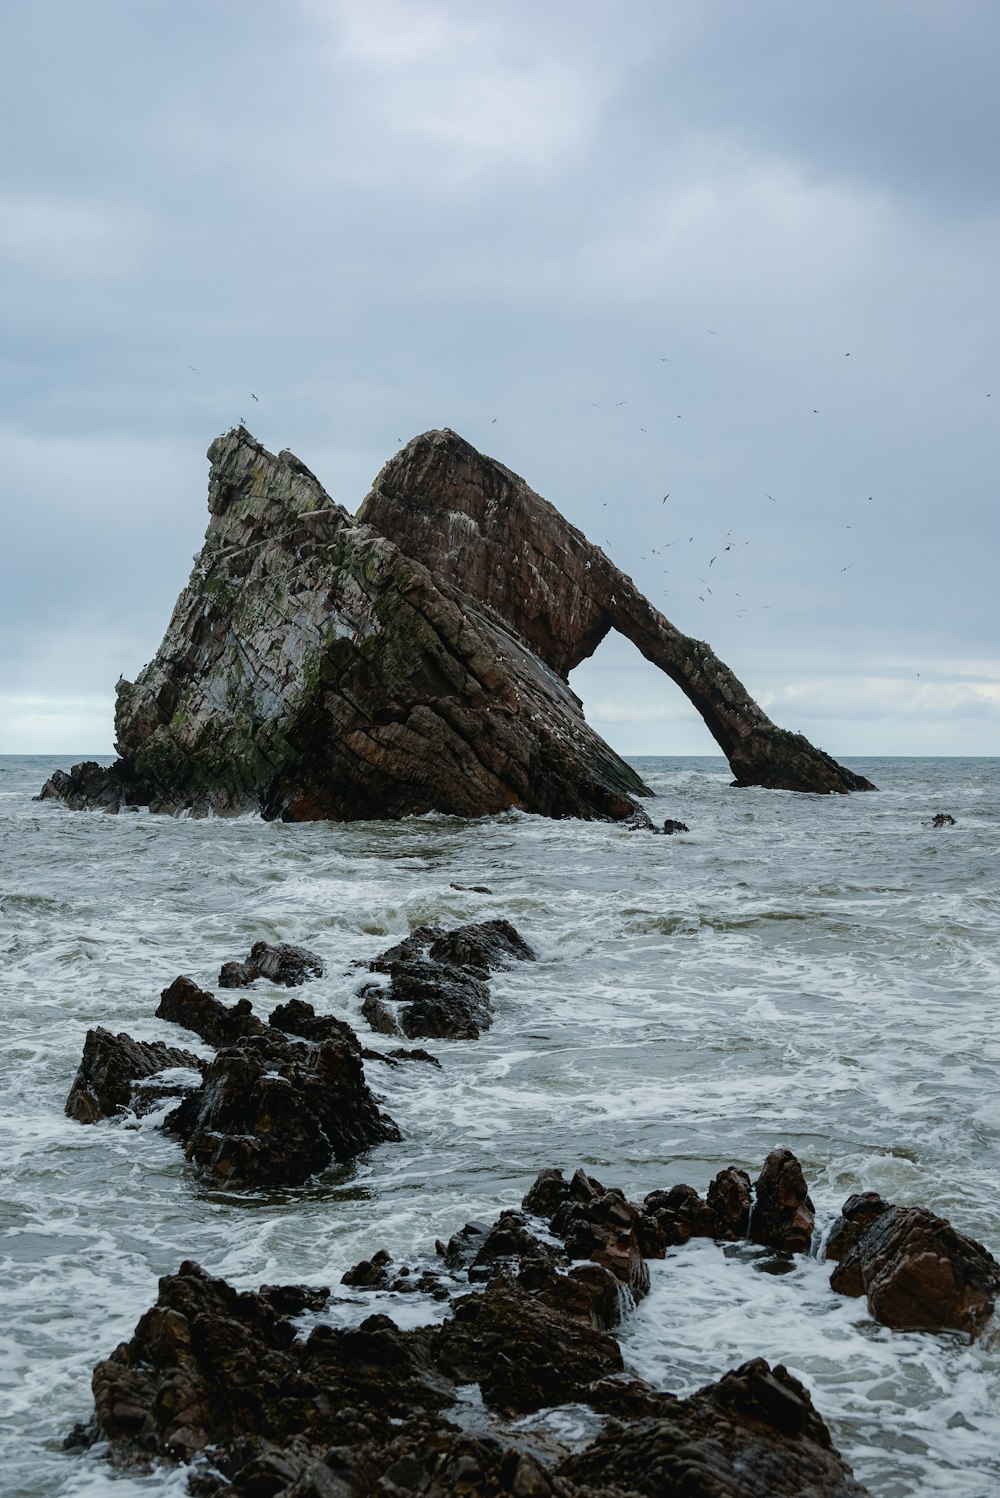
point(312, 670)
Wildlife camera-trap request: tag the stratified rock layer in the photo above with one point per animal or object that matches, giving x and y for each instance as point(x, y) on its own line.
point(311, 670)
point(316, 667)
point(477, 524)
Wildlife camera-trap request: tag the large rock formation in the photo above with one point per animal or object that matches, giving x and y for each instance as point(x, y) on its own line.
point(477, 524)
point(316, 666)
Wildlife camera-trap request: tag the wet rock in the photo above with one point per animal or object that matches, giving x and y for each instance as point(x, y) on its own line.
point(272, 1112)
point(90, 785)
point(523, 1353)
point(297, 1017)
point(640, 821)
point(728, 1201)
point(184, 1003)
point(476, 889)
point(919, 1274)
point(671, 826)
point(856, 1217)
point(281, 963)
point(682, 1214)
point(439, 980)
point(597, 1224)
point(414, 1053)
point(783, 1215)
point(111, 1065)
point(942, 819)
point(754, 1434)
point(368, 1410)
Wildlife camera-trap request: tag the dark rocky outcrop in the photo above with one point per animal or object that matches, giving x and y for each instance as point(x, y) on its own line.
point(318, 666)
point(184, 1003)
point(270, 1111)
point(783, 1215)
point(273, 1112)
point(754, 1434)
point(942, 819)
point(283, 964)
point(438, 980)
point(351, 1412)
point(916, 1272)
point(671, 825)
point(300, 1018)
point(110, 1068)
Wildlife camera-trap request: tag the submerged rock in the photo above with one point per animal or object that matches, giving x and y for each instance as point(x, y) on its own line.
point(110, 1068)
point(317, 666)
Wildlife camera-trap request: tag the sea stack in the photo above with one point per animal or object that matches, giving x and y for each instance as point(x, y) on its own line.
point(414, 659)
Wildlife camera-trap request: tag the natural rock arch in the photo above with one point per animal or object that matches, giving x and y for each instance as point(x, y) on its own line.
point(480, 526)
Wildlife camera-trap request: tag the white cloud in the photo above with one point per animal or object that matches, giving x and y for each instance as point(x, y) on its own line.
point(67, 240)
point(459, 88)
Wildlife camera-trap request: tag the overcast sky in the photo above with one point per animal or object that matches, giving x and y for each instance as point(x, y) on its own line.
point(744, 255)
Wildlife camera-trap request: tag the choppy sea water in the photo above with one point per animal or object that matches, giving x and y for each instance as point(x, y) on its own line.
point(816, 972)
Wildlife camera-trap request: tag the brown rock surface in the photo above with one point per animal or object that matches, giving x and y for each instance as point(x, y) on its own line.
point(919, 1274)
point(316, 666)
point(782, 1215)
point(457, 511)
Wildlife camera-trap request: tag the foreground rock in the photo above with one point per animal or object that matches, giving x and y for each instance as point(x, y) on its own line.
point(321, 667)
point(439, 980)
point(348, 1413)
point(916, 1272)
point(111, 1069)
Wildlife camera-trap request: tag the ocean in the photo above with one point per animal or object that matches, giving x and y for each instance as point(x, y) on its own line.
point(816, 972)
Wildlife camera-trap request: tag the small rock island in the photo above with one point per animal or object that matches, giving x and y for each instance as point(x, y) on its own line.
point(415, 658)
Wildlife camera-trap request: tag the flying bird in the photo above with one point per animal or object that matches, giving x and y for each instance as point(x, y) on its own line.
point(191, 366)
point(253, 397)
point(665, 498)
point(621, 403)
point(848, 567)
point(493, 422)
point(713, 559)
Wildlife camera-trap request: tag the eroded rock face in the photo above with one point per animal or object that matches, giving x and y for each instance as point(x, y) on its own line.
point(415, 659)
point(313, 670)
point(110, 1067)
point(916, 1272)
point(439, 980)
point(457, 511)
point(350, 1412)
